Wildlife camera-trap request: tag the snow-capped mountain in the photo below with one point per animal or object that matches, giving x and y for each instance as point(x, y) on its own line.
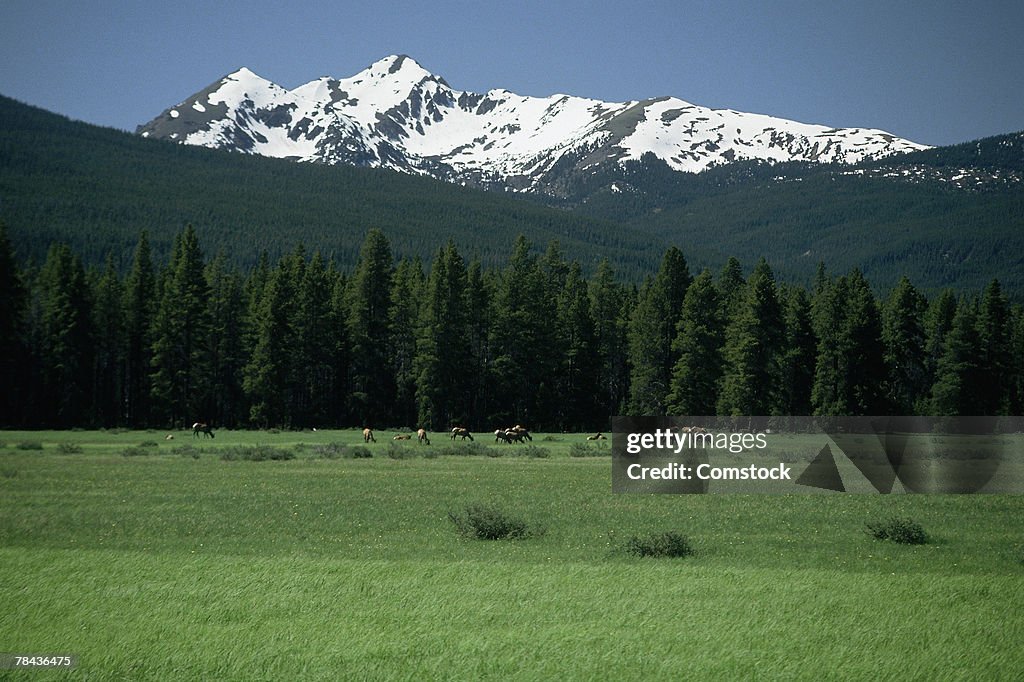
point(397, 115)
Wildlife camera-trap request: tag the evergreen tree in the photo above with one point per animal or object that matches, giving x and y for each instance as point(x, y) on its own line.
point(108, 323)
point(443, 377)
point(182, 376)
point(938, 321)
point(64, 351)
point(957, 389)
point(1016, 402)
point(267, 374)
point(905, 355)
point(798, 364)
point(698, 343)
point(731, 288)
point(406, 302)
point(339, 407)
point(13, 323)
point(829, 393)
point(228, 310)
point(652, 329)
point(754, 346)
point(369, 303)
point(994, 343)
point(865, 364)
point(577, 378)
point(607, 300)
point(139, 306)
point(522, 340)
point(480, 287)
point(317, 343)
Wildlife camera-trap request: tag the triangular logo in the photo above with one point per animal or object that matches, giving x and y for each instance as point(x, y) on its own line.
point(822, 473)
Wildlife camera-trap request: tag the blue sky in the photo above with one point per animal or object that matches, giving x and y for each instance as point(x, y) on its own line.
point(936, 72)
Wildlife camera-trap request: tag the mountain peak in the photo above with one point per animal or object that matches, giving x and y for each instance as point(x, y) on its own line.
point(396, 114)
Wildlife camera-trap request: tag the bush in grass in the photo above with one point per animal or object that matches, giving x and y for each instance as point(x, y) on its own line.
point(149, 444)
point(341, 451)
point(488, 522)
point(586, 450)
point(138, 451)
point(536, 451)
point(8, 473)
point(396, 451)
point(668, 544)
point(29, 445)
point(899, 530)
point(187, 451)
point(255, 453)
point(551, 439)
point(2, 445)
point(69, 448)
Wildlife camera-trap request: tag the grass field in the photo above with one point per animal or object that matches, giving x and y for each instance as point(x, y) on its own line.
point(167, 561)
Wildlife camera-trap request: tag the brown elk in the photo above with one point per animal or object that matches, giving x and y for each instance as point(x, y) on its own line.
point(421, 436)
point(461, 431)
point(599, 436)
point(368, 436)
point(402, 436)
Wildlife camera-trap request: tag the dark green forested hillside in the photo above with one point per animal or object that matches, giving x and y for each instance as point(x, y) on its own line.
point(905, 215)
point(96, 188)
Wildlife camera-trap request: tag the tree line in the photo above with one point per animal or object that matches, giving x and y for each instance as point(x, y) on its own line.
point(300, 343)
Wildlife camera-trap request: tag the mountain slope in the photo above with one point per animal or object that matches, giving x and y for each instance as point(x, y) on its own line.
point(97, 188)
point(397, 115)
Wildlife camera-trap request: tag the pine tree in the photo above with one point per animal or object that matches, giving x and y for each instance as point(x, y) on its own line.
point(443, 349)
point(369, 303)
point(577, 378)
point(267, 374)
point(865, 364)
point(64, 351)
point(994, 339)
point(406, 302)
point(607, 300)
point(904, 338)
point(228, 332)
point(316, 338)
point(800, 355)
point(698, 343)
point(752, 376)
point(182, 376)
point(652, 329)
point(108, 323)
point(938, 321)
point(13, 333)
point(957, 389)
point(139, 306)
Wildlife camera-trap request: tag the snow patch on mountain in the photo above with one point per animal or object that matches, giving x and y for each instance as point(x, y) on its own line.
point(396, 114)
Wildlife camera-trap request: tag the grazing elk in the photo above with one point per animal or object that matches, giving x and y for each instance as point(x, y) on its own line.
point(368, 436)
point(463, 432)
point(421, 436)
point(523, 433)
point(201, 427)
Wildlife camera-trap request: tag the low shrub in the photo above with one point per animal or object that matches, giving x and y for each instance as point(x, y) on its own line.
point(29, 445)
point(138, 451)
point(187, 451)
point(149, 444)
point(586, 450)
point(668, 544)
point(396, 451)
point(8, 473)
point(898, 530)
point(341, 451)
point(69, 448)
point(536, 452)
point(255, 453)
point(488, 522)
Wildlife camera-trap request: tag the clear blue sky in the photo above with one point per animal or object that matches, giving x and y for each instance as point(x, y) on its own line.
point(934, 71)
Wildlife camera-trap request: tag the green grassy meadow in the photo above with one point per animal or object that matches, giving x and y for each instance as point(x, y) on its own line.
point(167, 562)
